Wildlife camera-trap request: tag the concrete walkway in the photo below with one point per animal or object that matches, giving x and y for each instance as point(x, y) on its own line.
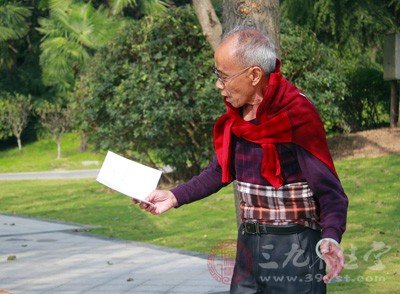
point(41, 256)
point(50, 175)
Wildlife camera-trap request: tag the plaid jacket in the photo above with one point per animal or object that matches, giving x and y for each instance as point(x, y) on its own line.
point(290, 204)
point(298, 166)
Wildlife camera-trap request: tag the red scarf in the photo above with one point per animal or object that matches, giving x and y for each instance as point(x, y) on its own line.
point(284, 116)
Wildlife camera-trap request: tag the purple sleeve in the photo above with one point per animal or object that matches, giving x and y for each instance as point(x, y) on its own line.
point(201, 186)
point(329, 191)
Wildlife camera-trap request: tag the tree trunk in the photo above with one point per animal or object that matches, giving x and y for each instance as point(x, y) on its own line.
point(394, 104)
point(374, 53)
point(19, 143)
point(58, 149)
point(83, 143)
point(210, 24)
point(237, 203)
point(261, 14)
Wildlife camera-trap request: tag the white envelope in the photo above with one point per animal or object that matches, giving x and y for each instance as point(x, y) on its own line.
point(128, 177)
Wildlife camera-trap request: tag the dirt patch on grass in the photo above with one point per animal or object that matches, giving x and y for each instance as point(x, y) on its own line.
point(372, 143)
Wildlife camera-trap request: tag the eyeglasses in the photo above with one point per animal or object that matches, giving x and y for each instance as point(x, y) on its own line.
point(223, 80)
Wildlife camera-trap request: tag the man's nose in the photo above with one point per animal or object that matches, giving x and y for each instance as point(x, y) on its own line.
point(219, 85)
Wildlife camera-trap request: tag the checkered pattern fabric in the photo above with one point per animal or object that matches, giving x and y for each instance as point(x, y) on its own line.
point(290, 204)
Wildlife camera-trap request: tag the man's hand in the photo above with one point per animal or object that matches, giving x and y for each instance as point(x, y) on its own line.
point(163, 200)
point(334, 258)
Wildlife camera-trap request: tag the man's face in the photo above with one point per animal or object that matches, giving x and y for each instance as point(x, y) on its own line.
point(234, 81)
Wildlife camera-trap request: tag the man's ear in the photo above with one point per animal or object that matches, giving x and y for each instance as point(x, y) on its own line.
point(256, 75)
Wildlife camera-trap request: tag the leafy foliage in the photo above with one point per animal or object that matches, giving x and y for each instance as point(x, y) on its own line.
point(13, 20)
point(13, 25)
point(351, 26)
point(367, 105)
point(341, 75)
point(354, 22)
point(15, 111)
point(56, 118)
point(70, 32)
point(152, 90)
point(315, 69)
point(149, 92)
point(144, 6)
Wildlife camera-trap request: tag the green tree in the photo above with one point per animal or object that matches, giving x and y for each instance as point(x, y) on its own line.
point(150, 94)
point(351, 26)
point(146, 7)
point(71, 34)
point(355, 30)
point(314, 69)
point(56, 118)
point(16, 110)
point(14, 24)
point(5, 130)
point(20, 71)
point(367, 105)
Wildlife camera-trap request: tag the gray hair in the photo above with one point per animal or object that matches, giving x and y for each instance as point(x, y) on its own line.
point(253, 48)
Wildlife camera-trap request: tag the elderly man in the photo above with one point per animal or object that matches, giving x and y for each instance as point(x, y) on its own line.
point(272, 142)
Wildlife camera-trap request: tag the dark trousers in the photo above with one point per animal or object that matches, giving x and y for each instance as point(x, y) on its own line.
point(278, 264)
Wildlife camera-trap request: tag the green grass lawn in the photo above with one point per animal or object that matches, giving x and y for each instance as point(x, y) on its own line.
point(370, 242)
point(41, 156)
point(193, 227)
